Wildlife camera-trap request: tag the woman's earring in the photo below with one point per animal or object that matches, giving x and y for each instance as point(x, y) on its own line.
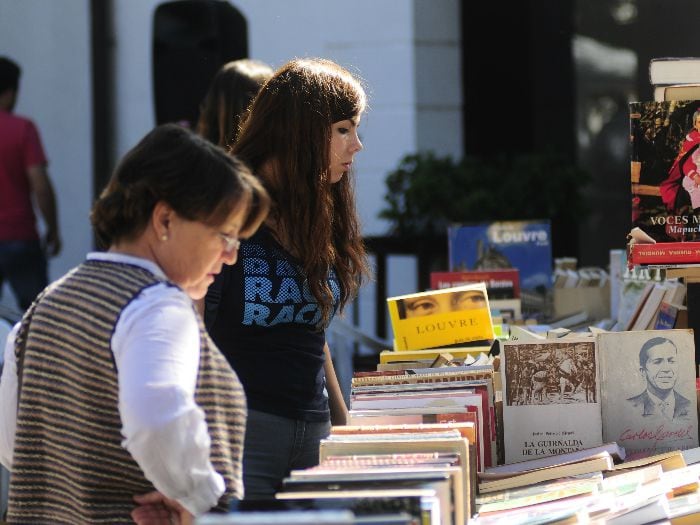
point(163, 237)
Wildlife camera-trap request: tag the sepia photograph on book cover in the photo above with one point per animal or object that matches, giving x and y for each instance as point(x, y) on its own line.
point(647, 380)
point(525, 245)
point(664, 165)
point(551, 398)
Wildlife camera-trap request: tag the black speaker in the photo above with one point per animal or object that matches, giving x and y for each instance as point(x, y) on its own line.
point(191, 40)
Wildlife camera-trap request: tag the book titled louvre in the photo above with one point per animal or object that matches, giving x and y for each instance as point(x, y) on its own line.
point(444, 317)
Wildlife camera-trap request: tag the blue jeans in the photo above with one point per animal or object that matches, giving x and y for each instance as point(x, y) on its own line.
point(23, 264)
point(274, 445)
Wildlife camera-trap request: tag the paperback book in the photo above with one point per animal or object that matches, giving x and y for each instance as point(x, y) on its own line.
point(665, 188)
point(551, 398)
point(523, 245)
point(438, 318)
point(649, 404)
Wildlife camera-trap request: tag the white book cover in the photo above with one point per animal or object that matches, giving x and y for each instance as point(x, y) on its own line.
point(674, 70)
point(551, 398)
point(648, 390)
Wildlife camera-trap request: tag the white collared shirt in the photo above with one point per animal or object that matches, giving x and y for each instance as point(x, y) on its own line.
point(156, 350)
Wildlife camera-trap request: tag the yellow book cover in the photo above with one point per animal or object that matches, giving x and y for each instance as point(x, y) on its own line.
point(441, 317)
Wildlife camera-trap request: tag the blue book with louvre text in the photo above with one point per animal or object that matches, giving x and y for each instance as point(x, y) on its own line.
point(525, 245)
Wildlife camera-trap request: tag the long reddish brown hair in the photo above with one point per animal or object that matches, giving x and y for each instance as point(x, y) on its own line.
point(288, 128)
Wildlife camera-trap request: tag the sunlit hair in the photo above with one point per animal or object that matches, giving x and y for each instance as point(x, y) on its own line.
point(196, 178)
point(696, 116)
point(289, 126)
point(228, 97)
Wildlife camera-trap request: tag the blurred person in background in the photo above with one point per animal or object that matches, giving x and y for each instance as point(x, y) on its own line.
point(230, 93)
point(24, 181)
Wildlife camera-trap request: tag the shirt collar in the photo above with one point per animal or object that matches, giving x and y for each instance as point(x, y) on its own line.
point(128, 259)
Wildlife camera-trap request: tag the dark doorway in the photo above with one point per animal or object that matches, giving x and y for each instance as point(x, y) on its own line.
point(191, 40)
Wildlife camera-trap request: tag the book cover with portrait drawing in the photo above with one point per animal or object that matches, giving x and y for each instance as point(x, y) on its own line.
point(647, 377)
point(665, 161)
point(551, 398)
point(439, 318)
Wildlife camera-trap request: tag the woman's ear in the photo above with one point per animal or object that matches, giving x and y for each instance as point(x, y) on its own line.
point(161, 220)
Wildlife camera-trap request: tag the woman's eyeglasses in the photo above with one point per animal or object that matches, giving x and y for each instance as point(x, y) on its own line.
point(231, 244)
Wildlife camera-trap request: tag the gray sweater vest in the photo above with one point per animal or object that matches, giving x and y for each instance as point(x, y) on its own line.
point(69, 465)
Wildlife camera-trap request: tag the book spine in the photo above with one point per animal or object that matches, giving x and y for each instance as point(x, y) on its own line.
point(665, 253)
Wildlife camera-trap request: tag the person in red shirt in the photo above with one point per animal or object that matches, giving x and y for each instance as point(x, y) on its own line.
point(24, 181)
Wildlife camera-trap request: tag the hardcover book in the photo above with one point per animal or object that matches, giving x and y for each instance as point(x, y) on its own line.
point(668, 314)
point(446, 478)
point(438, 318)
point(466, 430)
point(649, 405)
point(665, 191)
point(523, 245)
point(677, 92)
point(529, 496)
point(551, 398)
point(664, 253)
point(391, 356)
point(600, 463)
point(500, 283)
point(422, 504)
point(650, 307)
point(674, 70)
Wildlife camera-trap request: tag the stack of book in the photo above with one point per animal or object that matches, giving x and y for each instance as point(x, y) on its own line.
point(592, 486)
point(664, 137)
point(651, 304)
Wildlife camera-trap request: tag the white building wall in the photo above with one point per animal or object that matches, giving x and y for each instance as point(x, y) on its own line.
point(50, 41)
point(407, 52)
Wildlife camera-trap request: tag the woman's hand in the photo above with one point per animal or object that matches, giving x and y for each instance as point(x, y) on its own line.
point(155, 509)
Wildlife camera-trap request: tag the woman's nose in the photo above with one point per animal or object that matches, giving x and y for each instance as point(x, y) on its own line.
point(358, 144)
point(231, 257)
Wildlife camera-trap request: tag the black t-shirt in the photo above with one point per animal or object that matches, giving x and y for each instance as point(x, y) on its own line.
point(267, 326)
